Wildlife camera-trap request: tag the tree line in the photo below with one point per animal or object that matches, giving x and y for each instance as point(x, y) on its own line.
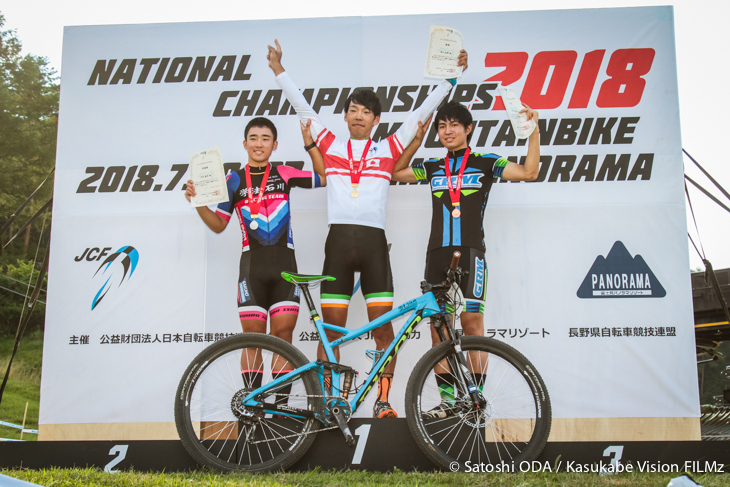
point(29, 93)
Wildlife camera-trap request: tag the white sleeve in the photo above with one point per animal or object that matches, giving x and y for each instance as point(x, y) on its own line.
point(407, 131)
point(300, 104)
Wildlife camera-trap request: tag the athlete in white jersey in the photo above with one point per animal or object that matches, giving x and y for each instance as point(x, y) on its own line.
point(358, 172)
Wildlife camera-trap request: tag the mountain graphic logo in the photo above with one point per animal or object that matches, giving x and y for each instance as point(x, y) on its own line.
point(128, 258)
point(618, 275)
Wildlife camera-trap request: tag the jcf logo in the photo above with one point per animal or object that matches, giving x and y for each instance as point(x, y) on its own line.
point(92, 254)
point(126, 258)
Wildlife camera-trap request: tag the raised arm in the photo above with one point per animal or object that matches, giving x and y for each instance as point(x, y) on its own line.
point(292, 93)
point(407, 131)
point(402, 171)
point(313, 151)
point(528, 172)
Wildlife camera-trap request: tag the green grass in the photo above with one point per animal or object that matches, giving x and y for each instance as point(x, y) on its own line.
point(24, 384)
point(95, 477)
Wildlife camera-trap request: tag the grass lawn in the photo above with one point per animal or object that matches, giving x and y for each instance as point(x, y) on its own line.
point(93, 477)
point(24, 384)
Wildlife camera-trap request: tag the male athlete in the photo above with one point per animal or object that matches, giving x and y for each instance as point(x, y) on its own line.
point(359, 172)
point(460, 185)
point(259, 194)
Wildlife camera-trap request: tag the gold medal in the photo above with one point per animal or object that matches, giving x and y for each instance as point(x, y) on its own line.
point(354, 193)
point(254, 224)
point(456, 213)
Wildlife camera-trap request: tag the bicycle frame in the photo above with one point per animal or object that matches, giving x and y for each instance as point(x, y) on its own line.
point(420, 308)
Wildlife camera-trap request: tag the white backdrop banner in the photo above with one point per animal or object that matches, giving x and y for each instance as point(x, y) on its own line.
point(588, 266)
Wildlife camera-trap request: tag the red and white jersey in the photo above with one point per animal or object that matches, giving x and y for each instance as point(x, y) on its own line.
point(369, 207)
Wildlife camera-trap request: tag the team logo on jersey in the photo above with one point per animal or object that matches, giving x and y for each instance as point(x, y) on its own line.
point(243, 294)
point(122, 263)
point(469, 181)
point(478, 277)
point(618, 275)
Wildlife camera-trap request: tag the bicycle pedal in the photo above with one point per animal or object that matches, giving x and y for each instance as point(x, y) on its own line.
point(339, 415)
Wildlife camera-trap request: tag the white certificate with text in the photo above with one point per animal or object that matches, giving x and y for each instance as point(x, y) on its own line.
point(209, 177)
point(444, 45)
point(522, 127)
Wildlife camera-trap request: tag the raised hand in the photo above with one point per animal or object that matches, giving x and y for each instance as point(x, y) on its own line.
point(531, 114)
point(274, 58)
point(306, 132)
point(189, 189)
point(463, 59)
point(422, 129)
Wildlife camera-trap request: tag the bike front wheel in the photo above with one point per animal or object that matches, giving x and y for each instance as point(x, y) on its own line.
point(511, 425)
point(214, 426)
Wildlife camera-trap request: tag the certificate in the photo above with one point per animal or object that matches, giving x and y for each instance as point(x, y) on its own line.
point(209, 177)
point(444, 45)
point(522, 127)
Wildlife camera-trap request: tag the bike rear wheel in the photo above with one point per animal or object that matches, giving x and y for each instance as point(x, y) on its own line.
point(218, 431)
point(447, 426)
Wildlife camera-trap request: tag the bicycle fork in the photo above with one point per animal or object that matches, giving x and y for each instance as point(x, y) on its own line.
point(457, 362)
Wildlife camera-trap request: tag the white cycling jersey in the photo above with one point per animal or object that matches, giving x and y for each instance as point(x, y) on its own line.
point(369, 207)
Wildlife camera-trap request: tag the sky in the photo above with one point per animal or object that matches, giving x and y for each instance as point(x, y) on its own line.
point(701, 35)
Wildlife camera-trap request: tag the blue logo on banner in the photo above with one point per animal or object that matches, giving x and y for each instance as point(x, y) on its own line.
point(128, 257)
point(479, 278)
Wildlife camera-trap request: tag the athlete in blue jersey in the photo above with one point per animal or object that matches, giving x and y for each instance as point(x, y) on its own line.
point(460, 184)
point(258, 194)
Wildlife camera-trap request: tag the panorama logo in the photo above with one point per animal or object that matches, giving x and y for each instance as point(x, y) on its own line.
point(619, 275)
point(117, 267)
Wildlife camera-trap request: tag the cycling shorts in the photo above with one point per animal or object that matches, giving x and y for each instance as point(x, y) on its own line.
point(356, 248)
point(474, 274)
point(261, 289)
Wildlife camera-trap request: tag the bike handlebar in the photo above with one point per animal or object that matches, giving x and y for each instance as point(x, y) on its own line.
point(453, 274)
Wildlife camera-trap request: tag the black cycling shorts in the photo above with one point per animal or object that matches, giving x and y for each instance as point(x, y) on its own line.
point(261, 289)
point(356, 248)
point(474, 280)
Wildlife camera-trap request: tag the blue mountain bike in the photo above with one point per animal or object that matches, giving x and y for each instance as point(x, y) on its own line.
point(253, 402)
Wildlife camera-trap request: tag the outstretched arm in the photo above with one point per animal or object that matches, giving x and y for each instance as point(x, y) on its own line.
point(528, 172)
point(210, 218)
point(407, 131)
point(313, 151)
point(402, 171)
point(292, 93)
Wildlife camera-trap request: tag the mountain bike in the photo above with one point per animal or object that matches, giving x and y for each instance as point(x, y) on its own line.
point(253, 402)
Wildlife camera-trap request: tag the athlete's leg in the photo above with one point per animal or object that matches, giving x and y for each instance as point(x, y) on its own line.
point(335, 295)
point(252, 316)
point(472, 318)
point(377, 286)
point(383, 335)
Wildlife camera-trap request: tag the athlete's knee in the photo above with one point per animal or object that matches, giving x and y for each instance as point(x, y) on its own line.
point(384, 332)
point(472, 323)
point(284, 334)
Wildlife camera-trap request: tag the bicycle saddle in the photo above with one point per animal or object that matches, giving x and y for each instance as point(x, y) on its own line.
point(305, 278)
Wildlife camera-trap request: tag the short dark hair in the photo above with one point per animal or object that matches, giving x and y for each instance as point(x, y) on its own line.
point(366, 98)
point(260, 122)
point(454, 111)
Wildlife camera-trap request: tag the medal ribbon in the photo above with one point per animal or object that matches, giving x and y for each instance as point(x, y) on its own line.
point(355, 175)
point(254, 204)
point(455, 195)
